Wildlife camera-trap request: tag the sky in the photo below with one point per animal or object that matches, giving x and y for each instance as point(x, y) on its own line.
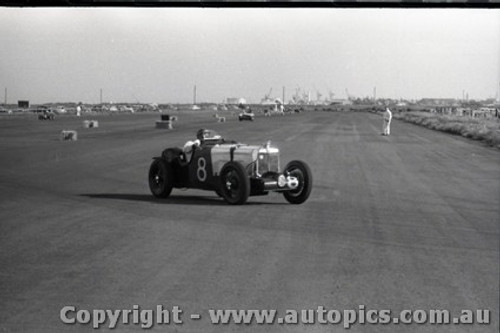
point(158, 55)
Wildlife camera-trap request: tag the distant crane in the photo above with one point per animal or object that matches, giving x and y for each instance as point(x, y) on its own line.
point(497, 97)
point(349, 97)
point(267, 98)
point(301, 96)
point(296, 97)
point(331, 95)
point(318, 95)
point(297, 94)
point(306, 97)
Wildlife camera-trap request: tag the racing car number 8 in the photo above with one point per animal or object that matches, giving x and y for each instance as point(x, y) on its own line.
point(201, 172)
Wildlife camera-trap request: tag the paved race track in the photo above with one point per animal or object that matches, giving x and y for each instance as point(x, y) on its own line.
point(409, 221)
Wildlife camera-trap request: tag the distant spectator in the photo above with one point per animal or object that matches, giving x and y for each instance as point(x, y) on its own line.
point(387, 122)
point(282, 108)
point(79, 109)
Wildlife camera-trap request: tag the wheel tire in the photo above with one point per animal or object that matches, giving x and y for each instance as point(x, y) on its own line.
point(300, 170)
point(160, 178)
point(234, 183)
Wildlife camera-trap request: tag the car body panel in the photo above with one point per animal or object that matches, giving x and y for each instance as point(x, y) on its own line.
point(200, 174)
point(221, 154)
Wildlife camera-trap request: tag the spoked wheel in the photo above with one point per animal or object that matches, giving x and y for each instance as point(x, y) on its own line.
point(301, 171)
point(234, 183)
point(160, 178)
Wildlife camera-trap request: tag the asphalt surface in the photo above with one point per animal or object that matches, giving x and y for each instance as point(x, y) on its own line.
point(409, 221)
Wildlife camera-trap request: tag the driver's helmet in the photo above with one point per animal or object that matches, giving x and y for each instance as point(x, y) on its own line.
point(202, 134)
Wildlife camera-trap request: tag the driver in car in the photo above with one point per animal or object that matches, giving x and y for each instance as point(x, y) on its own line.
point(191, 145)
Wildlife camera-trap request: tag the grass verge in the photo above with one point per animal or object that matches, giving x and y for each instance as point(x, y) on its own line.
point(481, 129)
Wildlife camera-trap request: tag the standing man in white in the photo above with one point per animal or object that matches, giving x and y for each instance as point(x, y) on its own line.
point(79, 109)
point(387, 122)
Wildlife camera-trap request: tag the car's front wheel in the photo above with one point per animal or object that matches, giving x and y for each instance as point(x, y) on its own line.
point(301, 171)
point(160, 178)
point(234, 183)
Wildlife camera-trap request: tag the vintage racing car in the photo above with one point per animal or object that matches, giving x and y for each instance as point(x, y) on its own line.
point(46, 115)
point(246, 115)
point(233, 170)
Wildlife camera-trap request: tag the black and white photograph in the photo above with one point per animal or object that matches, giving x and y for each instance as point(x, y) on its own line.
point(260, 169)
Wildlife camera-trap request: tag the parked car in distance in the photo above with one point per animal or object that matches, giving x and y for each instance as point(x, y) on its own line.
point(246, 115)
point(46, 115)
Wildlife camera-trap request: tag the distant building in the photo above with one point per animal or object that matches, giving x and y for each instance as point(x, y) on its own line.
point(235, 100)
point(439, 101)
point(340, 102)
point(23, 104)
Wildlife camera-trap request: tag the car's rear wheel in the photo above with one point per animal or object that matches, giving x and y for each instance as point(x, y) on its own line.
point(234, 183)
point(301, 171)
point(160, 178)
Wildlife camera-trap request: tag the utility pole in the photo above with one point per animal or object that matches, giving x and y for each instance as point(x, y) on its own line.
point(194, 95)
point(5, 100)
point(100, 99)
point(283, 95)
